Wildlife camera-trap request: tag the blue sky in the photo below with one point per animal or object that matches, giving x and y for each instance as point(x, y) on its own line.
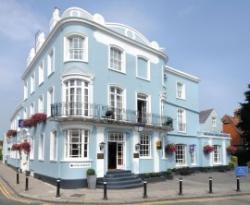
point(207, 38)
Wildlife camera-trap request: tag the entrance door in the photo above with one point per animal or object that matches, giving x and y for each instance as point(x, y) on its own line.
point(112, 149)
point(116, 146)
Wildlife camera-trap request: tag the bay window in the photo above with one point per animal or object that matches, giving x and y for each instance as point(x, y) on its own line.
point(76, 92)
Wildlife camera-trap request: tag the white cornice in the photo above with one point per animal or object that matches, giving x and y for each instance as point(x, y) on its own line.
point(182, 74)
point(98, 26)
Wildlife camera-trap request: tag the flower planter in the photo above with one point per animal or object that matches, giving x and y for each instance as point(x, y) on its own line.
point(170, 148)
point(207, 149)
point(91, 181)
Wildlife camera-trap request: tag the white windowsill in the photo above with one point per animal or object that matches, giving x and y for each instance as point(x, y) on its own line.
point(147, 158)
point(180, 165)
point(180, 98)
point(141, 78)
point(183, 132)
point(76, 160)
point(118, 71)
point(75, 60)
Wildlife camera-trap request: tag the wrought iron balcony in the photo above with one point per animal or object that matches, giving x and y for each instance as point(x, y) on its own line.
point(107, 114)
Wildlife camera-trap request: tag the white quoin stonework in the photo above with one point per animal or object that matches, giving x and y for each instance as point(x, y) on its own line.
point(100, 162)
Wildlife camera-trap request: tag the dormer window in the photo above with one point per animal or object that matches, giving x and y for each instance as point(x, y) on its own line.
point(76, 48)
point(116, 59)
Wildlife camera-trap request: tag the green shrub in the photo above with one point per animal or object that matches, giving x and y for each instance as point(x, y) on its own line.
point(1, 154)
point(169, 172)
point(234, 160)
point(248, 164)
point(231, 165)
point(90, 172)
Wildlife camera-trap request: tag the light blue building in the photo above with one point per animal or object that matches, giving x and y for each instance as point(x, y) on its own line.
point(111, 101)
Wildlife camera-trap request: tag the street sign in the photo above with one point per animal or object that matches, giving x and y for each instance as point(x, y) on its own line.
point(241, 171)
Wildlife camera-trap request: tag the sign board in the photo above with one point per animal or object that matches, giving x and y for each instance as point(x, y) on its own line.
point(241, 171)
point(20, 123)
point(79, 165)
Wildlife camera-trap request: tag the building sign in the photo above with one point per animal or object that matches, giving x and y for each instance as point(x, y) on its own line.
point(241, 171)
point(79, 165)
point(20, 123)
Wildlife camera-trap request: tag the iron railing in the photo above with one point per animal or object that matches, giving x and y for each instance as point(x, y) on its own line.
point(106, 113)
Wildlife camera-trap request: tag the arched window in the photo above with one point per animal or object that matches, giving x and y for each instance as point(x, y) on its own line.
point(76, 92)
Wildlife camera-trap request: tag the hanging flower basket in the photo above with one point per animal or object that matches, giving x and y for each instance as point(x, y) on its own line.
point(170, 148)
point(36, 118)
point(16, 147)
point(25, 146)
point(231, 149)
point(158, 144)
point(39, 117)
point(28, 122)
point(11, 133)
point(207, 149)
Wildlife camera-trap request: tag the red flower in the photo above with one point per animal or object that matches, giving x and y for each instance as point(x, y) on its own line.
point(231, 149)
point(16, 147)
point(25, 146)
point(170, 148)
point(28, 122)
point(208, 149)
point(39, 117)
point(11, 133)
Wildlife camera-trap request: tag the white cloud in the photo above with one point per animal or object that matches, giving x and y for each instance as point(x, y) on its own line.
point(17, 21)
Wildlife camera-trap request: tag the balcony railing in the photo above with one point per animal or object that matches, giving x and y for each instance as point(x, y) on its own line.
point(102, 113)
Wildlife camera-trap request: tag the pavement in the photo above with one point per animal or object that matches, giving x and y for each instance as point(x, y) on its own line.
point(195, 186)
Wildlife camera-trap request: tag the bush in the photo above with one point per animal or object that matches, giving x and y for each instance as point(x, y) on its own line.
point(234, 160)
point(231, 165)
point(90, 172)
point(248, 164)
point(185, 171)
point(169, 172)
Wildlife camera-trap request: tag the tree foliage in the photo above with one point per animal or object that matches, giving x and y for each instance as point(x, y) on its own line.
point(244, 124)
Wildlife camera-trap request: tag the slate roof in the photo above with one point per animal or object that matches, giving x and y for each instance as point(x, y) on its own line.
point(204, 115)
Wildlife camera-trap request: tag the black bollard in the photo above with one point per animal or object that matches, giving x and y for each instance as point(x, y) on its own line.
point(105, 197)
point(26, 183)
point(210, 185)
point(58, 185)
point(180, 185)
point(17, 177)
point(145, 195)
point(238, 184)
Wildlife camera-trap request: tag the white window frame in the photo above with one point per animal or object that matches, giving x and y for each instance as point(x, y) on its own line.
point(32, 83)
point(25, 90)
point(66, 47)
point(53, 145)
point(193, 157)
point(148, 77)
point(123, 101)
point(32, 109)
point(41, 144)
point(183, 91)
point(184, 117)
point(32, 147)
point(149, 145)
point(164, 73)
point(217, 154)
point(148, 100)
point(25, 114)
point(40, 104)
point(123, 59)
point(181, 162)
point(83, 143)
point(41, 73)
point(50, 100)
point(214, 122)
point(51, 62)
